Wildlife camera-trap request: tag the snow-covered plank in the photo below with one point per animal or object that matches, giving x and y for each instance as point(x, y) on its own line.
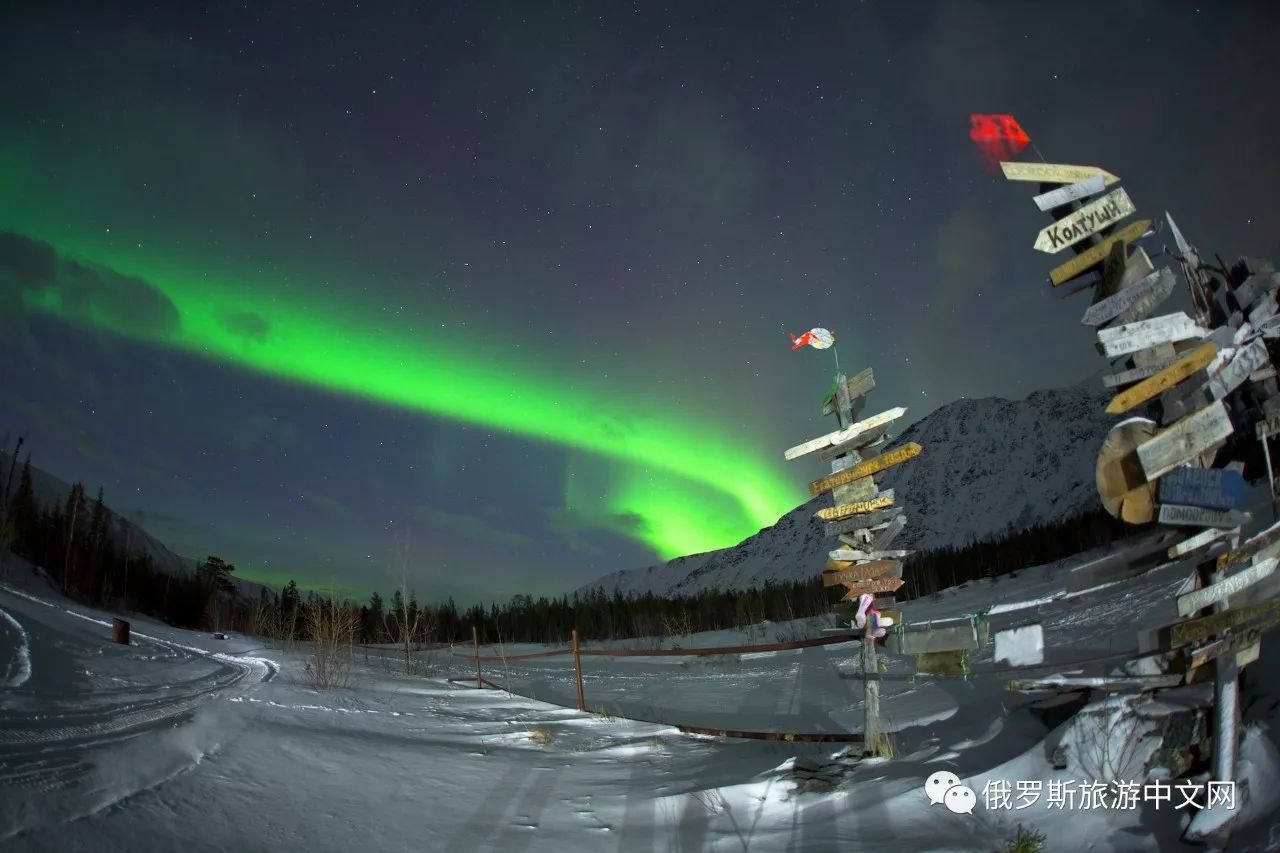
point(1218, 820)
point(1253, 356)
point(1260, 546)
point(875, 465)
point(1085, 222)
point(856, 554)
point(1021, 646)
point(1115, 683)
point(1195, 516)
point(1181, 370)
point(1202, 598)
point(1095, 255)
point(1072, 192)
point(1201, 539)
point(1132, 337)
point(1054, 173)
point(835, 513)
point(1264, 310)
point(1105, 310)
point(1211, 488)
point(1184, 440)
point(847, 435)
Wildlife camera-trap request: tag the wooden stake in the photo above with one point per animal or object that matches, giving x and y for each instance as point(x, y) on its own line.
point(475, 641)
point(871, 724)
point(1271, 477)
point(577, 672)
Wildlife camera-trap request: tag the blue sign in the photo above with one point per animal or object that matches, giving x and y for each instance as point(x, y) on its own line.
point(1208, 488)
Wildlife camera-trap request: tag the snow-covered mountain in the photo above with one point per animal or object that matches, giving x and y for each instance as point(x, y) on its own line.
point(988, 464)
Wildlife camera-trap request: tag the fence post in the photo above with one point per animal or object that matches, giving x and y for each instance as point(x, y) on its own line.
point(475, 641)
point(577, 671)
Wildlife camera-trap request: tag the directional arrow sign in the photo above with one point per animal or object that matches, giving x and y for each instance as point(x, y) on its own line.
point(846, 435)
point(1113, 306)
point(1202, 598)
point(1197, 517)
point(866, 469)
point(873, 586)
point(1247, 359)
point(1095, 255)
point(1204, 537)
point(835, 513)
point(1055, 173)
point(1185, 440)
point(1065, 195)
point(867, 522)
point(1259, 546)
point(862, 572)
point(1182, 369)
point(1210, 488)
point(1133, 337)
point(1086, 221)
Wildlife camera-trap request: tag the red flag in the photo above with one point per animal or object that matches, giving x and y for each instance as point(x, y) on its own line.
point(998, 137)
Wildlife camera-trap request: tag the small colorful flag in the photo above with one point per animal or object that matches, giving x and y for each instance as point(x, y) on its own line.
point(999, 138)
point(816, 338)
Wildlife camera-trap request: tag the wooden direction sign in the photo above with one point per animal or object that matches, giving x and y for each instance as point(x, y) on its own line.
point(864, 469)
point(846, 435)
point(1256, 546)
point(1148, 301)
point(1202, 598)
point(1095, 255)
point(835, 513)
point(865, 521)
point(1198, 630)
point(1113, 306)
point(1210, 488)
point(1136, 374)
point(1085, 222)
point(1240, 640)
point(873, 586)
point(1055, 173)
point(1073, 192)
point(862, 443)
point(853, 554)
point(858, 574)
point(1182, 369)
point(1198, 517)
point(855, 387)
point(1185, 440)
point(1201, 539)
point(1132, 337)
point(886, 536)
point(1247, 359)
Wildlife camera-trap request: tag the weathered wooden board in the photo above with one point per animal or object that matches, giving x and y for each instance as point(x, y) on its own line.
point(949, 663)
point(1202, 598)
point(1148, 302)
point(885, 537)
point(865, 444)
point(1247, 359)
point(1105, 310)
point(1181, 370)
point(862, 489)
point(1257, 546)
point(1184, 440)
point(1138, 268)
point(1200, 540)
point(1085, 222)
point(880, 463)
point(866, 521)
point(1123, 487)
point(1264, 310)
point(1113, 683)
point(1132, 337)
point(959, 637)
point(835, 513)
point(1198, 630)
point(873, 586)
point(1135, 374)
point(863, 553)
point(1055, 173)
point(1095, 255)
point(861, 572)
point(1072, 192)
point(850, 459)
point(856, 386)
point(1163, 353)
point(847, 435)
point(1210, 488)
point(1194, 516)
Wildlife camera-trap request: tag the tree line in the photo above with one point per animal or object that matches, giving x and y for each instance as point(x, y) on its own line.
point(78, 544)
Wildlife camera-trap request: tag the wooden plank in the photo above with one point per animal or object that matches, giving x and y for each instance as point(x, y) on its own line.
point(952, 638)
point(1132, 337)
point(885, 537)
point(856, 386)
point(1146, 303)
point(865, 521)
point(1113, 306)
point(1201, 539)
point(1179, 371)
point(1259, 546)
point(875, 465)
point(1199, 630)
point(1113, 683)
point(835, 513)
point(1163, 353)
point(846, 435)
point(856, 554)
point(1195, 516)
point(872, 586)
point(1184, 440)
point(1085, 222)
point(1095, 255)
point(1267, 427)
point(1072, 192)
point(1247, 359)
point(856, 574)
point(1138, 268)
point(1055, 173)
point(1202, 598)
point(862, 444)
point(862, 489)
point(1210, 488)
point(1135, 374)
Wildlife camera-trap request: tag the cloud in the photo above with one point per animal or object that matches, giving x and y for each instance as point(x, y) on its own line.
point(246, 324)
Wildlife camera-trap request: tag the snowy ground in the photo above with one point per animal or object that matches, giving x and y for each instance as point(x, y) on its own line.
point(180, 741)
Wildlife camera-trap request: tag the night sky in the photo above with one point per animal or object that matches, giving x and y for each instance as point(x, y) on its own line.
point(498, 297)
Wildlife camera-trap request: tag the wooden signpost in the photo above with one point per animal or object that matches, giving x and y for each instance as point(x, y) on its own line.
point(1095, 255)
point(1085, 222)
point(874, 465)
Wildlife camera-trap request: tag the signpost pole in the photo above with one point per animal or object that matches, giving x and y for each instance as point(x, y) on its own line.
point(1271, 477)
point(577, 672)
point(475, 642)
point(871, 726)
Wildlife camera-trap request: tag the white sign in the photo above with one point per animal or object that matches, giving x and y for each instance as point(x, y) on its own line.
point(1200, 517)
point(1201, 598)
point(1115, 304)
point(1065, 195)
point(1085, 222)
point(1132, 337)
